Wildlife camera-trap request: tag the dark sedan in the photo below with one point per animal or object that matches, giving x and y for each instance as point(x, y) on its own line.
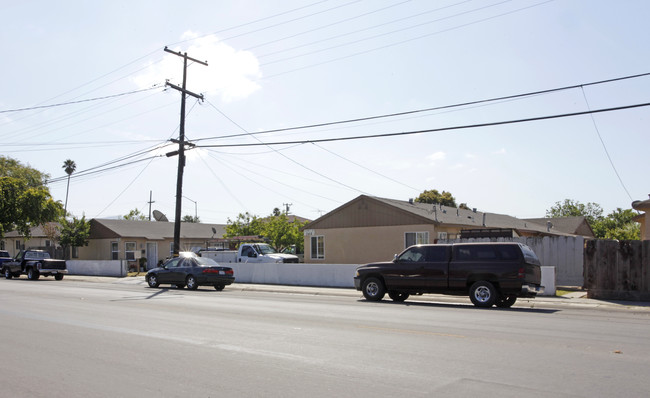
point(191, 271)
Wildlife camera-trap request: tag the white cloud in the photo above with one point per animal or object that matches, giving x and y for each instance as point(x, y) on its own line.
point(437, 156)
point(230, 73)
point(501, 151)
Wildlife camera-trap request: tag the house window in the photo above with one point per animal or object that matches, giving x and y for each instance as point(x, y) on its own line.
point(416, 238)
point(47, 243)
point(115, 251)
point(318, 247)
point(75, 252)
point(2, 245)
point(129, 250)
point(442, 235)
point(17, 245)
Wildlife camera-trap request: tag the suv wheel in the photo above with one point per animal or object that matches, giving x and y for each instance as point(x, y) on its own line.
point(398, 296)
point(483, 294)
point(506, 301)
point(373, 289)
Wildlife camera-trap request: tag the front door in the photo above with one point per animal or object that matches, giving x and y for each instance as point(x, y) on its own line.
point(152, 255)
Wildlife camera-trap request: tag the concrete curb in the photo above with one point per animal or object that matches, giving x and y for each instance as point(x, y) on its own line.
point(574, 299)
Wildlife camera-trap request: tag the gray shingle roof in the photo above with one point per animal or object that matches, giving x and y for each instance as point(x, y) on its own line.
point(157, 230)
point(469, 218)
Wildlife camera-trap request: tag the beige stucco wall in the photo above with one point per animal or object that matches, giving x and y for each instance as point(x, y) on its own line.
point(364, 244)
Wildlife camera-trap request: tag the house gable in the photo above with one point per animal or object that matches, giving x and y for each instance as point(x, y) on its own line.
point(366, 211)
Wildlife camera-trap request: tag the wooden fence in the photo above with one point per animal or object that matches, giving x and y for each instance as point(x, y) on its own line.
point(616, 270)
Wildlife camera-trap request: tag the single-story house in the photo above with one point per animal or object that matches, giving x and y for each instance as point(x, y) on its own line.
point(43, 237)
point(374, 229)
point(131, 240)
point(116, 239)
point(643, 218)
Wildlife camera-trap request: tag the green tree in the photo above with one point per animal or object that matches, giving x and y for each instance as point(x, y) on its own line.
point(244, 225)
point(572, 208)
point(74, 233)
point(282, 233)
point(189, 218)
point(69, 166)
point(12, 168)
point(434, 197)
point(25, 201)
point(136, 215)
point(618, 224)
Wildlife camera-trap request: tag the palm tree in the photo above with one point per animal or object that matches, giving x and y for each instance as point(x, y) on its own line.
point(69, 166)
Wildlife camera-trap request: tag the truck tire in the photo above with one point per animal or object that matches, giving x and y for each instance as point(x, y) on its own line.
point(32, 274)
point(483, 294)
point(506, 301)
point(191, 282)
point(58, 277)
point(8, 274)
point(398, 297)
point(373, 289)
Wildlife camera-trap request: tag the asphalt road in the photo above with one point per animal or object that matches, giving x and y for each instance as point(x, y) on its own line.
point(110, 338)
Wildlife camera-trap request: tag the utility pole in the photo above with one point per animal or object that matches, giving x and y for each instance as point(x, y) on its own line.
point(150, 203)
point(181, 146)
point(287, 206)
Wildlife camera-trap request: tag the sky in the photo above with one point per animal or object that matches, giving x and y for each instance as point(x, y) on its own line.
point(291, 88)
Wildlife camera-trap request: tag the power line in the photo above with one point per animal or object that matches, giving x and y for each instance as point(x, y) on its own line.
point(80, 101)
point(611, 162)
point(469, 126)
point(457, 105)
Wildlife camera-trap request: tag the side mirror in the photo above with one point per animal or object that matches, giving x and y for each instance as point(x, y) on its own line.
point(252, 254)
point(395, 258)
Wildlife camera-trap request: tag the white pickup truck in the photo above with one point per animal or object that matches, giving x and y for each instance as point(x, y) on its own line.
point(249, 253)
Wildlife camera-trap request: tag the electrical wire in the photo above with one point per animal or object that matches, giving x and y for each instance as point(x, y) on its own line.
point(404, 133)
point(80, 101)
point(457, 105)
point(600, 137)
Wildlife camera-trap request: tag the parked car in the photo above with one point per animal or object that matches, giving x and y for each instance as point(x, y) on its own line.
point(5, 256)
point(490, 273)
point(192, 271)
point(250, 253)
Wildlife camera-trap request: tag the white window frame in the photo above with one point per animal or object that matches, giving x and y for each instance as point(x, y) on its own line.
point(130, 257)
point(317, 243)
point(419, 238)
point(115, 250)
point(442, 235)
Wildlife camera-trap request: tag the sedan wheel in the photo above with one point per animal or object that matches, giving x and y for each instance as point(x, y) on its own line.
point(191, 283)
point(152, 280)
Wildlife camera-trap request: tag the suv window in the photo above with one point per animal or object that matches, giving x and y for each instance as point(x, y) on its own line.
point(475, 252)
point(508, 252)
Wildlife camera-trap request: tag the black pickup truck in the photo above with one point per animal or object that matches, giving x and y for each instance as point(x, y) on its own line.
point(34, 263)
point(490, 273)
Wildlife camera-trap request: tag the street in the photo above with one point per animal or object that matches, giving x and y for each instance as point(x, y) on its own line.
point(74, 338)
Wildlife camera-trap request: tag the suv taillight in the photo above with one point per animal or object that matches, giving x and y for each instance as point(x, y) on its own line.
point(521, 274)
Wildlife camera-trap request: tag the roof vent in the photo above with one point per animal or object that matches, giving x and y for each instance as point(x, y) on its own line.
point(474, 210)
point(411, 200)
